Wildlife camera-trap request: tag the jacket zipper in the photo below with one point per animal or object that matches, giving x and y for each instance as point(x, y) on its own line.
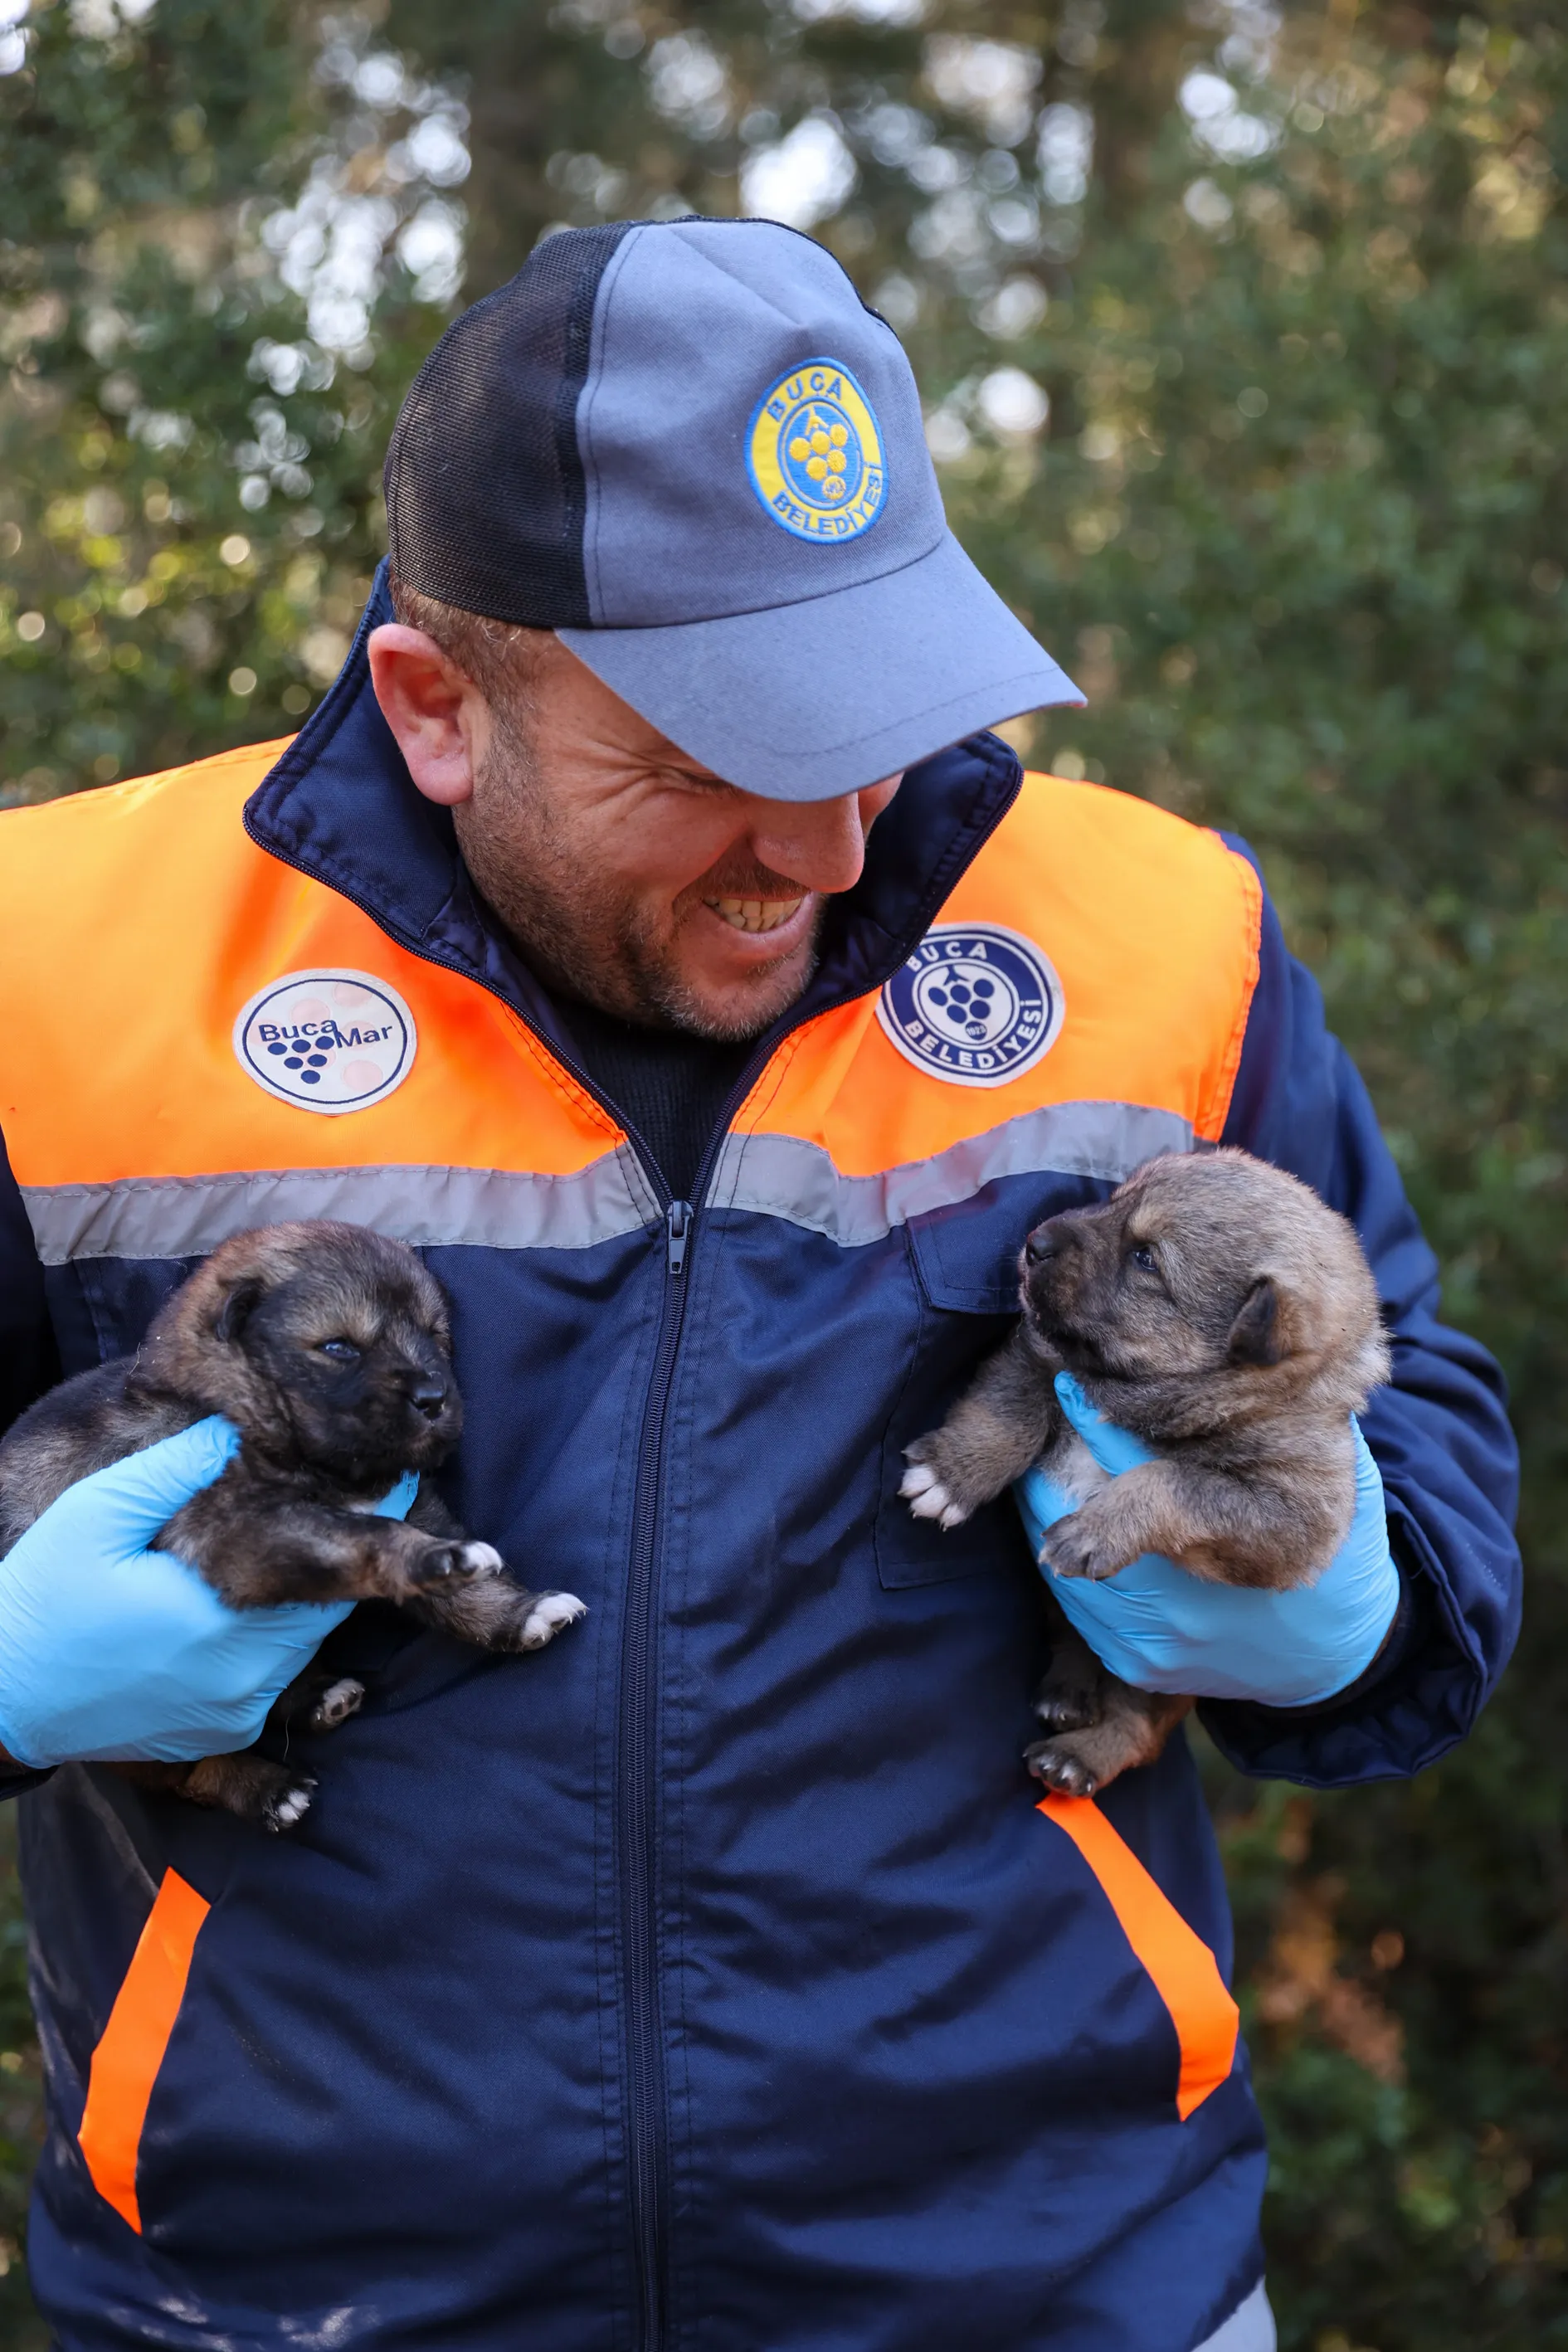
point(637, 1822)
point(639, 1810)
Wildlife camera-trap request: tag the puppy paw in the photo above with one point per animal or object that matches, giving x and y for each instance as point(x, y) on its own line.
point(441, 1561)
point(1075, 1546)
point(929, 1486)
point(1070, 1709)
point(479, 1559)
point(928, 1498)
point(1054, 1762)
point(547, 1615)
point(336, 1704)
point(287, 1807)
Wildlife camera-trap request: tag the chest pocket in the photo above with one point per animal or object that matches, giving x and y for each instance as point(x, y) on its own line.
point(963, 1261)
point(100, 1307)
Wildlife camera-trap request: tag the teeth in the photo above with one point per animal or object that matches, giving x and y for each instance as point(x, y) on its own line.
point(755, 914)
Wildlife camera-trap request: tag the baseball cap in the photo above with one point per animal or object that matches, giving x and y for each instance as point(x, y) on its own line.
point(691, 449)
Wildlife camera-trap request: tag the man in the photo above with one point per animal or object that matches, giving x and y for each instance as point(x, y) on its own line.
point(711, 1979)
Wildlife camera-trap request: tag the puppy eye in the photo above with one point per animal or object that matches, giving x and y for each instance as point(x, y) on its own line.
point(1143, 1256)
point(342, 1351)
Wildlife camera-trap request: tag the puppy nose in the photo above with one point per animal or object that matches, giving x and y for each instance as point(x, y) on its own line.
point(1046, 1241)
point(428, 1395)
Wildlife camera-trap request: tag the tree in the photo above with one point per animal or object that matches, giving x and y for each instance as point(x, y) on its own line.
point(204, 209)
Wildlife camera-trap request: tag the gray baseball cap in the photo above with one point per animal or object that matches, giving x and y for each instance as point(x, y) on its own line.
point(688, 448)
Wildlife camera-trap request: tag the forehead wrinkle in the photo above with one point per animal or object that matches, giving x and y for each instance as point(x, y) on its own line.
point(330, 1301)
point(1145, 1226)
point(1141, 1220)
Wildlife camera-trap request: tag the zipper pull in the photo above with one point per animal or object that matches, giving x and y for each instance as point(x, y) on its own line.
point(677, 1233)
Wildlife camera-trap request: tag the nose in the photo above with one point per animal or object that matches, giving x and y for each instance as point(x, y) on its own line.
point(1046, 1241)
point(427, 1394)
point(820, 845)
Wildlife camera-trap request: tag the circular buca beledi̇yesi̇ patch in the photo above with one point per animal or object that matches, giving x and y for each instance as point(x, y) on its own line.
point(815, 452)
point(976, 1004)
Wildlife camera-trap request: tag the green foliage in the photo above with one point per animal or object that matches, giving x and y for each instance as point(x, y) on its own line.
point(189, 478)
point(1296, 522)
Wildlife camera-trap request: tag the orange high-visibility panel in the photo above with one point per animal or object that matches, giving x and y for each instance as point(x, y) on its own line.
point(121, 1062)
point(1152, 927)
point(1181, 1966)
point(126, 2062)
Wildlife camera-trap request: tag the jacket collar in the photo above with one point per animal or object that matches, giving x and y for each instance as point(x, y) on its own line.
point(340, 807)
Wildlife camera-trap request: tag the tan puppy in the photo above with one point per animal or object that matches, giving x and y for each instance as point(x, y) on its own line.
point(330, 1349)
point(1217, 1310)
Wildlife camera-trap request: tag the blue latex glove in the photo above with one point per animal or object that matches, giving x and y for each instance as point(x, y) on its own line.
point(108, 1650)
point(1155, 1626)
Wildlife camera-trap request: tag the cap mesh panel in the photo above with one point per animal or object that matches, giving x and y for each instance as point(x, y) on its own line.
point(485, 494)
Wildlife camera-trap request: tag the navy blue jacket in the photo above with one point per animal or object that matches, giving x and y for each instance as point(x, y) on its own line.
point(710, 1980)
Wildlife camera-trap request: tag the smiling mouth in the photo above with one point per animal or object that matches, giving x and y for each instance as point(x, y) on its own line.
point(756, 914)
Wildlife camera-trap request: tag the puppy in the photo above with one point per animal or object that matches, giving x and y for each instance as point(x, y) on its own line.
point(330, 1349)
point(1217, 1308)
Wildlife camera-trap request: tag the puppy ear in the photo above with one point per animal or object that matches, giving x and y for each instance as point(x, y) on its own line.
point(1258, 1334)
point(239, 1303)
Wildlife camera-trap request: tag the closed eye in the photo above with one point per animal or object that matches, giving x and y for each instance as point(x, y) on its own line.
point(342, 1351)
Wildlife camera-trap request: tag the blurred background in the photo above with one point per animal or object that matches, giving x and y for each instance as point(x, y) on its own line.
point(1243, 329)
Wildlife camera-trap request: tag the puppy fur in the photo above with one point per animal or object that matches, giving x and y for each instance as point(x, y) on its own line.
point(330, 1351)
point(1219, 1311)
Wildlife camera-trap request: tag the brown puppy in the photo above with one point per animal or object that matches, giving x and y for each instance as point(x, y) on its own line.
point(330, 1349)
point(1216, 1307)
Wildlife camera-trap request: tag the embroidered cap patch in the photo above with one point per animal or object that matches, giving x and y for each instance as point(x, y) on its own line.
point(327, 1041)
point(815, 454)
point(976, 1004)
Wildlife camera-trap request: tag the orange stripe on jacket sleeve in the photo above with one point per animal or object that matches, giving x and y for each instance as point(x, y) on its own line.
point(126, 2062)
point(1181, 1966)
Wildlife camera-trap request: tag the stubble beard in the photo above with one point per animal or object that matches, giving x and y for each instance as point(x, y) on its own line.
point(584, 937)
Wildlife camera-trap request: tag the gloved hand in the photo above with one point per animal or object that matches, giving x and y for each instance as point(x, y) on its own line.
point(1159, 1628)
point(108, 1650)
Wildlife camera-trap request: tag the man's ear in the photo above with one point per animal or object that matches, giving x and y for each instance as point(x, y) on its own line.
point(1257, 1336)
point(436, 712)
point(239, 1303)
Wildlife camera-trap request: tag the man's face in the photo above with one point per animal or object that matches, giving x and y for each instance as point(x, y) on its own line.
point(629, 874)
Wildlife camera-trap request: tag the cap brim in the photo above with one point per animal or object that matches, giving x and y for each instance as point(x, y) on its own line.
point(808, 700)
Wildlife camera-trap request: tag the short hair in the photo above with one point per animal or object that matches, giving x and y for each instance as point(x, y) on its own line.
point(500, 657)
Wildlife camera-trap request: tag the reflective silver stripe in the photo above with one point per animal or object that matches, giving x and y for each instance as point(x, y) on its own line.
point(781, 1176)
point(1250, 2328)
point(775, 1175)
point(489, 1208)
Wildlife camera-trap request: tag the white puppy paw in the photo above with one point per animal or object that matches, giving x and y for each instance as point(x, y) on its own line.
point(549, 1613)
point(290, 1805)
point(479, 1559)
point(923, 1491)
point(928, 1498)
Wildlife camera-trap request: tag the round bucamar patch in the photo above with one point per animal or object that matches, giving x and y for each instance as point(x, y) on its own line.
point(327, 1041)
